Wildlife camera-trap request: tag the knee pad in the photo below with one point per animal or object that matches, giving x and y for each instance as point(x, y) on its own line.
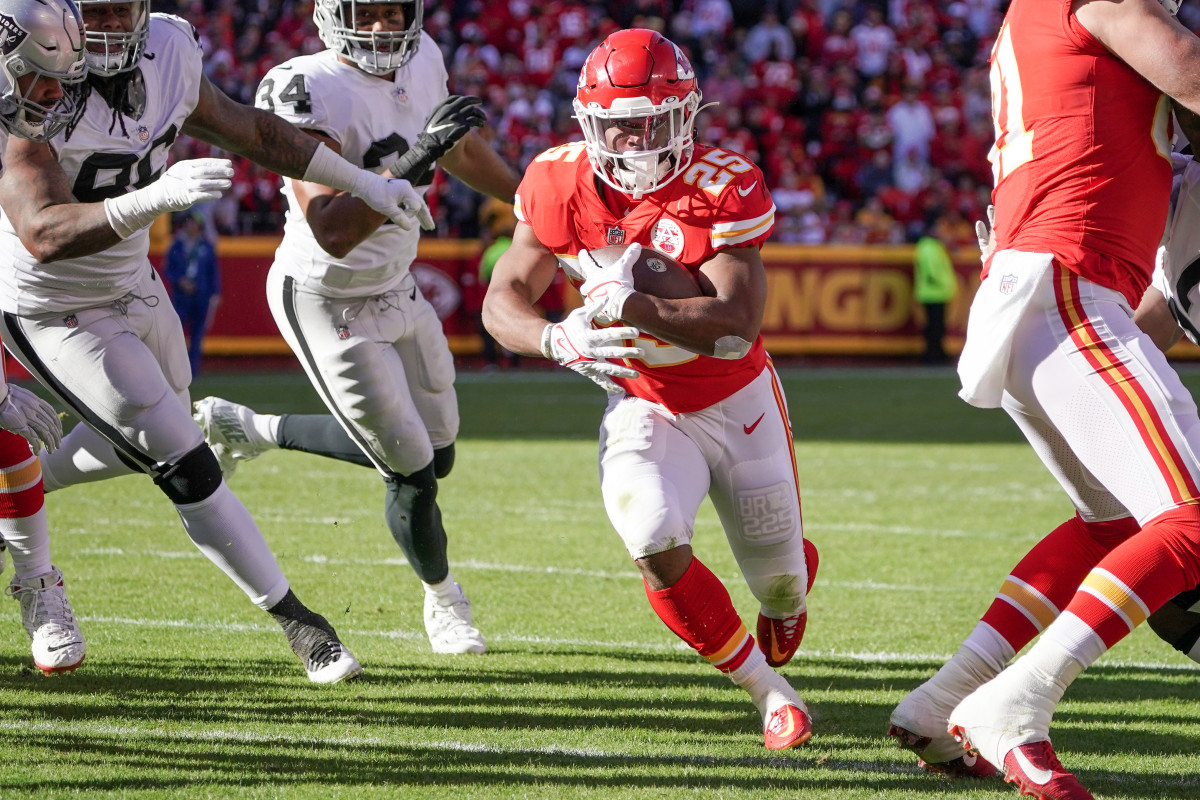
point(1178, 623)
point(443, 461)
point(423, 479)
point(192, 478)
point(413, 517)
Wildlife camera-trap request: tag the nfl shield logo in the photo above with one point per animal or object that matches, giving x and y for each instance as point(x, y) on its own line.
point(1008, 284)
point(343, 332)
point(616, 236)
point(143, 133)
point(71, 321)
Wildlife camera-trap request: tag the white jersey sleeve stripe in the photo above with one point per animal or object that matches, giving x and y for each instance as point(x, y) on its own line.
point(725, 234)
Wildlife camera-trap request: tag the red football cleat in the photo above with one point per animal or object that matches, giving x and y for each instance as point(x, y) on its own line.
point(780, 638)
point(789, 726)
point(1036, 770)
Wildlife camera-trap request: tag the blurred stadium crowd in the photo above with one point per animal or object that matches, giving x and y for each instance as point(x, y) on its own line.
point(871, 120)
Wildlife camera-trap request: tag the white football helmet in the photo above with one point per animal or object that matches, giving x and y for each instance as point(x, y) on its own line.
point(42, 39)
point(374, 52)
point(113, 52)
point(641, 83)
point(1172, 6)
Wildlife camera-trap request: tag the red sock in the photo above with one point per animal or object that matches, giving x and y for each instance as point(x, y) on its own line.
point(698, 610)
point(21, 492)
point(1135, 579)
point(1046, 578)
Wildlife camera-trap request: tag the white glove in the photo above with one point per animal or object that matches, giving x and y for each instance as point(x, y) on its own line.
point(29, 416)
point(605, 289)
point(985, 233)
point(576, 345)
point(184, 184)
point(395, 198)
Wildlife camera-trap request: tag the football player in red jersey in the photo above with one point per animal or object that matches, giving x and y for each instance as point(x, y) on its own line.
point(696, 408)
point(42, 68)
point(1082, 172)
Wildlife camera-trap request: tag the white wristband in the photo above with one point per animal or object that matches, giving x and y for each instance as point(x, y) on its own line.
point(616, 304)
point(329, 169)
point(130, 213)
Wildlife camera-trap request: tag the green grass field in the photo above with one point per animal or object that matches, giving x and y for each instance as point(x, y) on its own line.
point(919, 504)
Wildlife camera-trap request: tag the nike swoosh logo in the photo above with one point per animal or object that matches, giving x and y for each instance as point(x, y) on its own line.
point(58, 647)
point(788, 723)
point(747, 190)
point(441, 127)
point(749, 429)
point(1039, 776)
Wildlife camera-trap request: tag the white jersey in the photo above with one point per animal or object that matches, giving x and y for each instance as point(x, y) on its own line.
point(1177, 273)
point(373, 120)
point(107, 157)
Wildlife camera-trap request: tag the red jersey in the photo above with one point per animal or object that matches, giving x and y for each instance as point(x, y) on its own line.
point(1081, 160)
point(720, 201)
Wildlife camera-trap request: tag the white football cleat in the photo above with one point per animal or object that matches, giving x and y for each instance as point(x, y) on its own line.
point(449, 625)
point(315, 642)
point(331, 662)
point(58, 644)
point(230, 432)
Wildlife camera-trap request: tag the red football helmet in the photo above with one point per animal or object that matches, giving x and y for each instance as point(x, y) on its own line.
point(636, 102)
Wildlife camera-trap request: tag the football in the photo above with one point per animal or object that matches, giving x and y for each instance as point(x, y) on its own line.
point(655, 273)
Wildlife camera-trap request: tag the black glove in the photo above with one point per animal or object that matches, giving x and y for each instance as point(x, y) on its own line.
point(448, 123)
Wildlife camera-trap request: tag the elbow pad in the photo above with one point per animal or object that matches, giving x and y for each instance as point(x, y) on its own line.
point(731, 348)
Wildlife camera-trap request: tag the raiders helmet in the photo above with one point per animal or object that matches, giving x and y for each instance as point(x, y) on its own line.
point(41, 43)
point(112, 52)
point(374, 52)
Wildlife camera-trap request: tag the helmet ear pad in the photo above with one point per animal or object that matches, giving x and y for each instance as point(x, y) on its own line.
point(636, 74)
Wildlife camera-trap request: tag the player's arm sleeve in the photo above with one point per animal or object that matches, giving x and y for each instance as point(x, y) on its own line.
point(529, 209)
point(743, 220)
point(182, 37)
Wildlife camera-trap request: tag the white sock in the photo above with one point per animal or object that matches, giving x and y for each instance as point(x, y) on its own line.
point(1076, 638)
point(987, 643)
point(443, 589)
point(28, 541)
point(223, 530)
point(749, 670)
point(1018, 705)
point(965, 672)
point(769, 690)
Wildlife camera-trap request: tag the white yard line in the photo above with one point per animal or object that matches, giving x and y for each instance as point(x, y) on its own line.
point(486, 566)
point(866, 657)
